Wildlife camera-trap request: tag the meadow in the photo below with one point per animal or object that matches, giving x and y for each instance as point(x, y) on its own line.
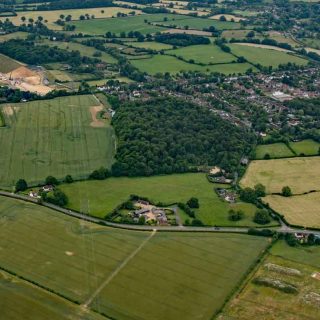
point(271, 303)
point(150, 45)
point(53, 15)
point(14, 35)
point(52, 137)
point(274, 150)
point(166, 63)
point(306, 147)
point(123, 274)
point(300, 174)
point(104, 196)
point(265, 57)
point(7, 64)
point(301, 210)
point(203, 54)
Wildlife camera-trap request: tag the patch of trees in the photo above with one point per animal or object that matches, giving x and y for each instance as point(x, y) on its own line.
point(181, 39)
point(21, 185)
point(15, 95)
point(251, 195)
point(235, 215)
point(56, 197)
point(262, 216)
point(309, 107)
point(169, 135)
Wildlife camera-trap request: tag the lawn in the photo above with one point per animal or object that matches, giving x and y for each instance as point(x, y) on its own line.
point(203, 54)
point(53, 15)
point(271, 303)
point(22, 300)
point(7, 64)
point(306, 147)
point(84, 50)
point(265, 57)
point(301, 210)
point(300, 174)
point(52, 137)
point(118, 25)
point(165, 63)
point(150, 45)
point(274, 150)
point(104, 196)
point(176, 275)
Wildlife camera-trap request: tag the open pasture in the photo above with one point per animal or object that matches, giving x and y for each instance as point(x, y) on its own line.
point(301, 210)
point(274, 150)
point(153, 45)
point(271, 303)
point(300, 174)
point(14, 35)
point(306, 147)
point(7, 64)
point(265, 57)
point(104, 196)
point(203, 54)
point(54, 15)
point(52, 137)
point(166, 63)
point(236, 34)
point(124, 274)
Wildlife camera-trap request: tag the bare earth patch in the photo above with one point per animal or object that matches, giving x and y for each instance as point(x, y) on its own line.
point(69, 253)
point(96, 122)
point(263, 46)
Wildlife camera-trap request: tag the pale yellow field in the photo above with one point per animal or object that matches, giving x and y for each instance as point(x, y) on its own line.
point(52, 16)
point(302, 210)
point(300, 174)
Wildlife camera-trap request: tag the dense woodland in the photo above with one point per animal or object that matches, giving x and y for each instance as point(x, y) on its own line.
point(181, 39)
point(167, 135)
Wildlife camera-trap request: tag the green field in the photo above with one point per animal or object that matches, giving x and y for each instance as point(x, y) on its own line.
point(301, 210)
point(203, 54)
point(14, 35)
point(140, 275)
point(150, 45)
point(165, 63)
point(7, 64)
point(300, 174)
point(52, 137)
point(84, 50)
point(104, 196)
point(265, 57)
point(118, 25)
point(306, 147)
point(274, 150)
point(271, 303)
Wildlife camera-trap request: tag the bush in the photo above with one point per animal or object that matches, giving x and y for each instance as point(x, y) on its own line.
point(100, 174)
point(193, 203)
point(68, 179)
point(186, 209)
point(235, 215)
point(262, 217)
point(58, 198)
point(21, 185)
point(50, 180)
point(196, 223)
point(286, 191)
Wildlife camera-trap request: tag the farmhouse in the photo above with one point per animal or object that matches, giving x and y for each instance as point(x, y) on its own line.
point(226, 194)
point(149, 212)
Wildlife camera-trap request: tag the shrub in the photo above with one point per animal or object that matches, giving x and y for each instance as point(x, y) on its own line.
point(235, 215)
point(262, 216)
point(193, 203)
point(21, 185)
point(286, 191)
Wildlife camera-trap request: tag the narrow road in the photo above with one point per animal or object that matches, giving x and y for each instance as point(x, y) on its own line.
point(282, 229)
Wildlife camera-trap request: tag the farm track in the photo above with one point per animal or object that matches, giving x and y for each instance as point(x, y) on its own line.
point(284, 228)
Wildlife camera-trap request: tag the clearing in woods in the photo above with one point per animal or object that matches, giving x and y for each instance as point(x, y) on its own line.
point(52, 137)
point(176, 275)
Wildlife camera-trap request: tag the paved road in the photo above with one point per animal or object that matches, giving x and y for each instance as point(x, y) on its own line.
point(282, 229)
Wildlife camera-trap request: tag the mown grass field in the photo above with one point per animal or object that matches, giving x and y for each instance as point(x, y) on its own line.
point(300, 174)
point(22, 300)
point(150, 45)
point(7, 64)
point(104, 196)
point(54, 15)
point(165, 63)
point(274, 150)
point(52, 137)
point(203, 54)
point(306, 147)
point(301, 210)
point(265, 57)
point(145, 276)
point(271, 303)
point(84, 50)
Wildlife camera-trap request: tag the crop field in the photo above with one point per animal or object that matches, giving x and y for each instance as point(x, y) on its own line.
point(22, 300)
point(306, 147)
point(265, 57)
point(104, 196)
point(91, 263)
point(84, 50)
point(52, 137)
point(54, 15)
point(151, 45)
point(301, 210)
point(274, 150)
point(166, 63)
point(203, 54)
point(7, 64)
point(272, 303)
point(126, 24)
point(300, 174)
